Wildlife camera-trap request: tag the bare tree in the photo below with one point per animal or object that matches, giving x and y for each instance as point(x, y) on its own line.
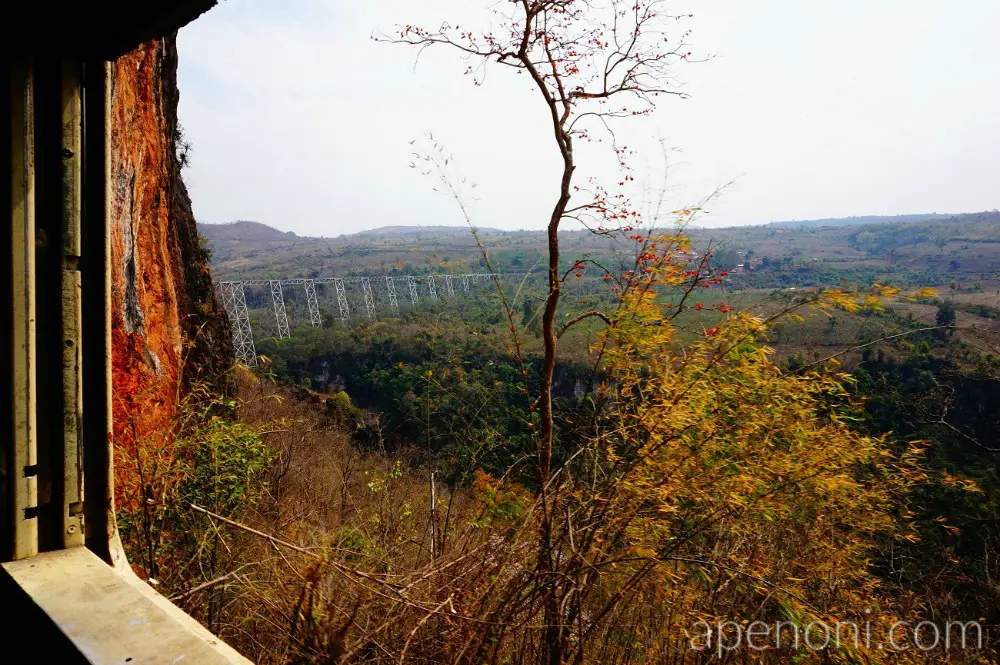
point(591, 62)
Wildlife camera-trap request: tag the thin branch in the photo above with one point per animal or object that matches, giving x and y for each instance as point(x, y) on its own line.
point(580, 317)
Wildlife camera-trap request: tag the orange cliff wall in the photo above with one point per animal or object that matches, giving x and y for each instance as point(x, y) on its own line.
point(168, 331)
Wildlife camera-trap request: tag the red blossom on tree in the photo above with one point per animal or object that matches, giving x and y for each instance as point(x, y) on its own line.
point(590, 63)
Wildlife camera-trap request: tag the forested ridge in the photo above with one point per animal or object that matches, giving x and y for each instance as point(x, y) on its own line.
point(389, 449)
point(640, 441)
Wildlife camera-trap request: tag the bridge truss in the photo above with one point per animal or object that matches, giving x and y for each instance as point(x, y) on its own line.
point(235, 302)
point(374, 296)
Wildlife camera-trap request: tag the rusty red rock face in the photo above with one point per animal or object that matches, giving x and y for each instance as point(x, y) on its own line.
point(167, 329)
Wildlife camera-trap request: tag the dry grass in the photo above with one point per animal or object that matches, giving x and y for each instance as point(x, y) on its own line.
point(353, 556)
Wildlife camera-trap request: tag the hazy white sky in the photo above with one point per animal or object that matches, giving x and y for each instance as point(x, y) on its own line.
point(817, 108)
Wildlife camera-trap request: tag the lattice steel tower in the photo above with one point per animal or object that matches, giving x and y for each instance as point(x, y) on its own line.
point(280, 317)
point(315, 318)
point(345, 310)
point(390, 288)
point(411, 284)
point(235, 303)
point(366, 286)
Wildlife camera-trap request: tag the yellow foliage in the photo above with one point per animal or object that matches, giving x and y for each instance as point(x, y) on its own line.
point(728, 468)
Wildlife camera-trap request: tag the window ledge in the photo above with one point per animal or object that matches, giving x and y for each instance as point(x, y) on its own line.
point(111, 616)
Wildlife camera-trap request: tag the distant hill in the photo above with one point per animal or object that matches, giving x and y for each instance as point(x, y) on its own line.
point(256, 233)
point(864, 219)
point(403, 231)
point(903, 249)
point(244, 232)
point(251, 249)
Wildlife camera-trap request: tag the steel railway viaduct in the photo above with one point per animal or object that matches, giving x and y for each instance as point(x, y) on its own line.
point(376, 292)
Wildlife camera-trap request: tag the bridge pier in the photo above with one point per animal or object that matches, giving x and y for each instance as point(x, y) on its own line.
point(235, 303)
point(345, 311)
point(315, 318)
point(411, 283)
point(366, 287)
point(280, 316)
point(390, 287)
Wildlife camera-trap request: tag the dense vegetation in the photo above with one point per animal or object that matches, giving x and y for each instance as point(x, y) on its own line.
point(928, 390)
point(664, 430)
point(400, 453)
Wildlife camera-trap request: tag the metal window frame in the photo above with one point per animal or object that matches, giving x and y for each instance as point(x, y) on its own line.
point(64, 579)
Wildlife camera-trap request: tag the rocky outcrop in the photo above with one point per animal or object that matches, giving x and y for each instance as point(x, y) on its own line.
point(168, 331)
